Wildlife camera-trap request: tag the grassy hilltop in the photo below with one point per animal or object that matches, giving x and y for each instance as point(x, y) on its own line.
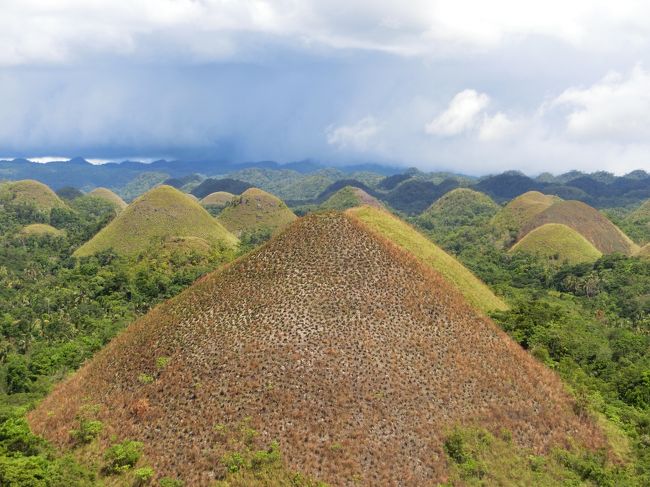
point(30, 192)
point(159, 214)
point(558, 244)
point(255, 210)
point(108, 195)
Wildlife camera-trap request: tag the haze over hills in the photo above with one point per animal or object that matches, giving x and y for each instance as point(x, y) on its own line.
point(588, 222)
point(157, 215)
point(328, 335)
point(557, 243)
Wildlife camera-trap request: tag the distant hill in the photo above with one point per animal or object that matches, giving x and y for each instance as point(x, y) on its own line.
point(219, 199)
point(108, 195)
point(356, 357)
point(588, 222)
point(461, 206)
point(228, 185)
point(40, 229)
point(408, 238)
point(30, 192)
point(558, 244)
point(255, 210)
point(68, 193)
point(522, 209)
point(159, 214)
point(637, 223)
point(413, 196)
point(349, 197)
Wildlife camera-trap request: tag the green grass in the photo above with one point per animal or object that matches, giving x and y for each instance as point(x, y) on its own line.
point(460, 206)
point(30, 192)
point(349, 197)
point(558, 244)
point(522, 209)
point(405, 236)
point(637, 224)
point(37, 229)
point(108, 195)
point(160, 214)
point(255, 210)
point(218, 198)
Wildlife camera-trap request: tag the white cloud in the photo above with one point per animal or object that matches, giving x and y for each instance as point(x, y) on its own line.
point(461, 115)
point(357, 136)
point(64, 31)
point(498, 127)
point(616, 108)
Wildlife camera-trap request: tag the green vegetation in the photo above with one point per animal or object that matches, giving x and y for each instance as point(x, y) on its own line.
point(141, 184)
point(30, 192)
point(122, 456)
point(217, 201)
point(160, 214)
point(40, 229)
point(109, 196)
point(411, 240)
point(637, 224)
point(349, 197)
point(459, 207)
point(520, 211)
point(558, 244)
point(255, 210)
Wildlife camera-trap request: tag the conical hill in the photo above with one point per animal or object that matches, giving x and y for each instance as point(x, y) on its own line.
point(110, 196)
point(402, 234)
point(345, 349)
point(161, 213)
point(30, 192)
point(219, 199)
point(255, 210)
point(522, 209)
point(350, 197)
point(588, 222)
point(558, 244)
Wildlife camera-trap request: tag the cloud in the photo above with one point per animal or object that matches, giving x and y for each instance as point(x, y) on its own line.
point(616, 108)
point(461, 115)
point(68, 31)
point(498, 127)
point(357, 136)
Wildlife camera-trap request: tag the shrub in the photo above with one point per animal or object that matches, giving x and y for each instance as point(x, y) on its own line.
point(161, 362)
point(169, 482)
point(145, 378)
point(143, 475)
point(89, 429)
point(123, 456)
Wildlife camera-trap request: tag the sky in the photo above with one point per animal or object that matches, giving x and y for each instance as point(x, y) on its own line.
point(468, 86)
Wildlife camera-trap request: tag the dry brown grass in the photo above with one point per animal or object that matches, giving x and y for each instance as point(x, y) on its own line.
point(337, 343)
point(588, 222)
point(108, 195)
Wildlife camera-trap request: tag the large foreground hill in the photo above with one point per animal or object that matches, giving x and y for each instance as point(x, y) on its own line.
point(353, 354)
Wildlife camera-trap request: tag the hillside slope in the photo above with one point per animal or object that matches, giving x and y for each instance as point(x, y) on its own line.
point(558, 243)
point(255, 210)
point(345, 349)
point(408, 238)
point(461, 206)
point(637, 223)
point(588, 222)
point(108, 195)
point(218, 198)
point(349, 197)
point(522, 209)
point(30, 192)
point(159, 214)
point(40, 229)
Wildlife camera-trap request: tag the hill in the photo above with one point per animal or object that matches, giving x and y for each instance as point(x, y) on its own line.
point(255, 210)
point(522, 209)
point(413, 196)
point(588, 222)
point(406, 237)
point(644, 251)
point(214, 185)
point(558, 243)
point(219, 199)
point(349, 197)
point(461, 206)
point(159, 214)
point(637, 223)
point(39, 229)
point(30, 192)
point(107, 195)
point(348, 351)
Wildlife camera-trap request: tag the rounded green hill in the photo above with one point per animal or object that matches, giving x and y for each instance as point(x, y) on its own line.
point(461, 206)
point(559, 244)
point(522, 209)
point(39, 229)
point(159, 214)
point(30, 192)
point(218, 199)
point(405, 236)
point(637, 223)
point(588, 222)
point(256, 210)
point(350, 197)
point(108, 195)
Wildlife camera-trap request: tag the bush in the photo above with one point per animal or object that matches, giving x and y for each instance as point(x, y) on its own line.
point(89, 429)
point(143, 475)
point(169, 482)
point(123, 456)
